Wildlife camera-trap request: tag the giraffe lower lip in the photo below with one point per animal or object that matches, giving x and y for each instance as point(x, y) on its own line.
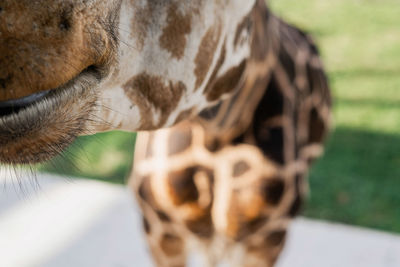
point(47, 122)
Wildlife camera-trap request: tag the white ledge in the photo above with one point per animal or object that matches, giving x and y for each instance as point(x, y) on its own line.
point(85, 223)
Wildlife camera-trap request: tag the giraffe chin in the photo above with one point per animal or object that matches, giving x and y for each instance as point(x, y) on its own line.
point(45, 128)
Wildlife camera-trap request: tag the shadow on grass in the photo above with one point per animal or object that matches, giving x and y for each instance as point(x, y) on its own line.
point(358, 180)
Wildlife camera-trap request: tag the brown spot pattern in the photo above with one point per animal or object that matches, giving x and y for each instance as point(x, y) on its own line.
point(140, 23)
point(182, 186)
point(298, 201)
point(205, 55)
point(260, 46)
point(149, 92)
point(163, 216)
point(255, 224)
point(296, 207)
point(145, 191)
point(276, 238)
point(171, 245)
point(227, 83)
point(220, 62)
point(146, 225)
point(240, 168)
point(247, 228)
point(174, 34)
point(202, 226)
point(184, 115)
point(272, 190)
point(244, 25)
point(316, 127)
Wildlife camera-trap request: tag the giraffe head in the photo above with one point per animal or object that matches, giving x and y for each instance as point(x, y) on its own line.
point(73, 67)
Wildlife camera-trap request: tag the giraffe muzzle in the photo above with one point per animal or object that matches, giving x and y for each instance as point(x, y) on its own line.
point(45, 44)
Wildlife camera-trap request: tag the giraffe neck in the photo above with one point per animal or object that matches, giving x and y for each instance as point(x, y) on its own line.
point(233, 114)
point(178, 53)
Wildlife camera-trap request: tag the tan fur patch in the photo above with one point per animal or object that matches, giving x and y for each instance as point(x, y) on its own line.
point(205, 55)
point(174, 34)
point(244, 210)
point(152, 92)
point(179, 141)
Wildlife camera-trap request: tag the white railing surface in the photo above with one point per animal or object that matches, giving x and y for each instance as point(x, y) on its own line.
point(81, 223)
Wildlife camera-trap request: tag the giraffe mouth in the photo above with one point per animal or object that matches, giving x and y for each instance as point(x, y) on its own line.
point(38, 127)
point(14, 106)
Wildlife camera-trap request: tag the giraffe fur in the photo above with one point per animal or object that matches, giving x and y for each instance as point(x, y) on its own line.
point(234, 177)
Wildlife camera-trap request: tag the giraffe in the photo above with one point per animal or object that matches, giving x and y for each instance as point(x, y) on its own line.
point(230, 180)
point(244, 92)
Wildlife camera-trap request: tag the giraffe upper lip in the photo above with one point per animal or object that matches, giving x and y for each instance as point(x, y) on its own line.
point(24, 100)
point(13, 106)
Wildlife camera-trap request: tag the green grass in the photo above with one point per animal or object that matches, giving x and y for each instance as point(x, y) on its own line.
point(104, 156)
point(358, 179)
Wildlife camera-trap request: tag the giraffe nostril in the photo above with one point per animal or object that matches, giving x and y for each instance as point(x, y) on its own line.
point(14, 106)
point(66, 19)
point(64, 24)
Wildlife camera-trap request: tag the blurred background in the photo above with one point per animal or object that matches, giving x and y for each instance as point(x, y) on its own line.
point(357, 182)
